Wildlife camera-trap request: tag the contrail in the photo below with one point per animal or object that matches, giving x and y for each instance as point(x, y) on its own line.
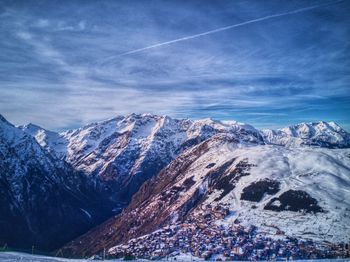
point(226, 28)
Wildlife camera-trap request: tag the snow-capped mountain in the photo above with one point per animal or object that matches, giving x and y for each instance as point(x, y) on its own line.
point(43, 201)
point(323, 134)
point(218, 185)
point(104, 162)
point(52, 142)
point(83, 176)
point(121, 153)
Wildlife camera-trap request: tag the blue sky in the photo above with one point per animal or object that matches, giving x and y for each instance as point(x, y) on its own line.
point(66, 63)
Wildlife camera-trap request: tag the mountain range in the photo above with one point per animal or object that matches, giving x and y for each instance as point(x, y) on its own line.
point(144, 173)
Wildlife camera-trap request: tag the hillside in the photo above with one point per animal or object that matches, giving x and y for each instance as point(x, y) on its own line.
point(221, 183)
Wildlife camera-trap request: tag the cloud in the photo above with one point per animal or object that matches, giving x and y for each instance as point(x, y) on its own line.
point(224, 28)
point(63, 60)
point(42, 23)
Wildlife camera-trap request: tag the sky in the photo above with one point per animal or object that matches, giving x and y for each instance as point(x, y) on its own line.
point(268, 63)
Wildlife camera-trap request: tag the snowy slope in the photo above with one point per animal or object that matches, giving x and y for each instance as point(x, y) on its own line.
point(306, 196)
point(52, 142)
point(324, 174)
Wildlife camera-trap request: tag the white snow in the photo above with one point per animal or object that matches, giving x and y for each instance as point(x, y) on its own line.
point(323, 173)
point(318, 133)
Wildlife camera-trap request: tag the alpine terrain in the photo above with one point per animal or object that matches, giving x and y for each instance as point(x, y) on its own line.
point(168, 187)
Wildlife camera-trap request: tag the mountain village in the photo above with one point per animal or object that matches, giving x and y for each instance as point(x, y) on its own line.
point(202, 237)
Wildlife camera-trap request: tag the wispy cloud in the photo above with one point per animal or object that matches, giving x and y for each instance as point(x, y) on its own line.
point(229, 27)
point(63, 60)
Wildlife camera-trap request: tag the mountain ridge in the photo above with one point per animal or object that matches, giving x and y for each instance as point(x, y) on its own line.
point(288, 131)
point(114, 160)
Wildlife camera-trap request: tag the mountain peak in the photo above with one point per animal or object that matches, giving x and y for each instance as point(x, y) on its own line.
point(320, 133)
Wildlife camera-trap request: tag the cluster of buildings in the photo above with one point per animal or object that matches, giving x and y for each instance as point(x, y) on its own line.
point(201, 237)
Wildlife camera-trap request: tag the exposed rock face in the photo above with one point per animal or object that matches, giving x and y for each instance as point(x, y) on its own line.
point(294, 200)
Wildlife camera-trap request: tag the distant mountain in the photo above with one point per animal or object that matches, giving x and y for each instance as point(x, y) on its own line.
point(71, 181)
point(323, 134)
